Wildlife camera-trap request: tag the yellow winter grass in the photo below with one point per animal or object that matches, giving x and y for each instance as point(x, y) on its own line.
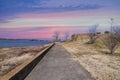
point(12, 57)
point(100, 64)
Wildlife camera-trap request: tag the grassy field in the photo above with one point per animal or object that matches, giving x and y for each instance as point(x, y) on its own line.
point(95, 58)
point(12, 57)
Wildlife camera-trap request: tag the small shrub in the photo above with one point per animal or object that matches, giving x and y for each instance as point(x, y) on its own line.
point(110, 42)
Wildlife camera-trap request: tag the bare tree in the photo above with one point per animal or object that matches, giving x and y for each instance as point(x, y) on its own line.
point(56, 36)
point(92, 34)
point(116, 31)
point(66, 36)
point(110, 40)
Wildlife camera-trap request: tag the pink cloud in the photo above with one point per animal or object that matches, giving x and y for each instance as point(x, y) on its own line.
point(38, 33)
point(70, 14)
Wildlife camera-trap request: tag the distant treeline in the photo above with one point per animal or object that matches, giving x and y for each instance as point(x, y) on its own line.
point(25, 39)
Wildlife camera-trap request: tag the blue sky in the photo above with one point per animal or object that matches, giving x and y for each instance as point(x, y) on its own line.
point(34, 15)
point(13, 8)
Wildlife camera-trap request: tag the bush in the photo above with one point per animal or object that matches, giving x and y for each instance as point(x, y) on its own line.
point(110, 42)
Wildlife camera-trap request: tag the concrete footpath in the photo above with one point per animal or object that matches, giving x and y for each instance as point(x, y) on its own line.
point(58, 65)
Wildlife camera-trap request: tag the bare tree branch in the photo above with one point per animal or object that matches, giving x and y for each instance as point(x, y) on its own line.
point(116, 31)
point(93, 34)
point(56, 36)
point(111, 40)
point(66, 36)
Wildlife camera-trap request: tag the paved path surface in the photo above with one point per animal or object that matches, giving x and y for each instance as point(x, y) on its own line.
point(58, 65)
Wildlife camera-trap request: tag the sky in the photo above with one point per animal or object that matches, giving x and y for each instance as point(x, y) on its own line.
point(40, 19)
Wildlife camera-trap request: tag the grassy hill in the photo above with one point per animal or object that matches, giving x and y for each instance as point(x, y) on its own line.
point(95, 58)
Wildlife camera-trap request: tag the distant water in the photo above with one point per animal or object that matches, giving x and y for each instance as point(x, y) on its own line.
point(21, 43)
